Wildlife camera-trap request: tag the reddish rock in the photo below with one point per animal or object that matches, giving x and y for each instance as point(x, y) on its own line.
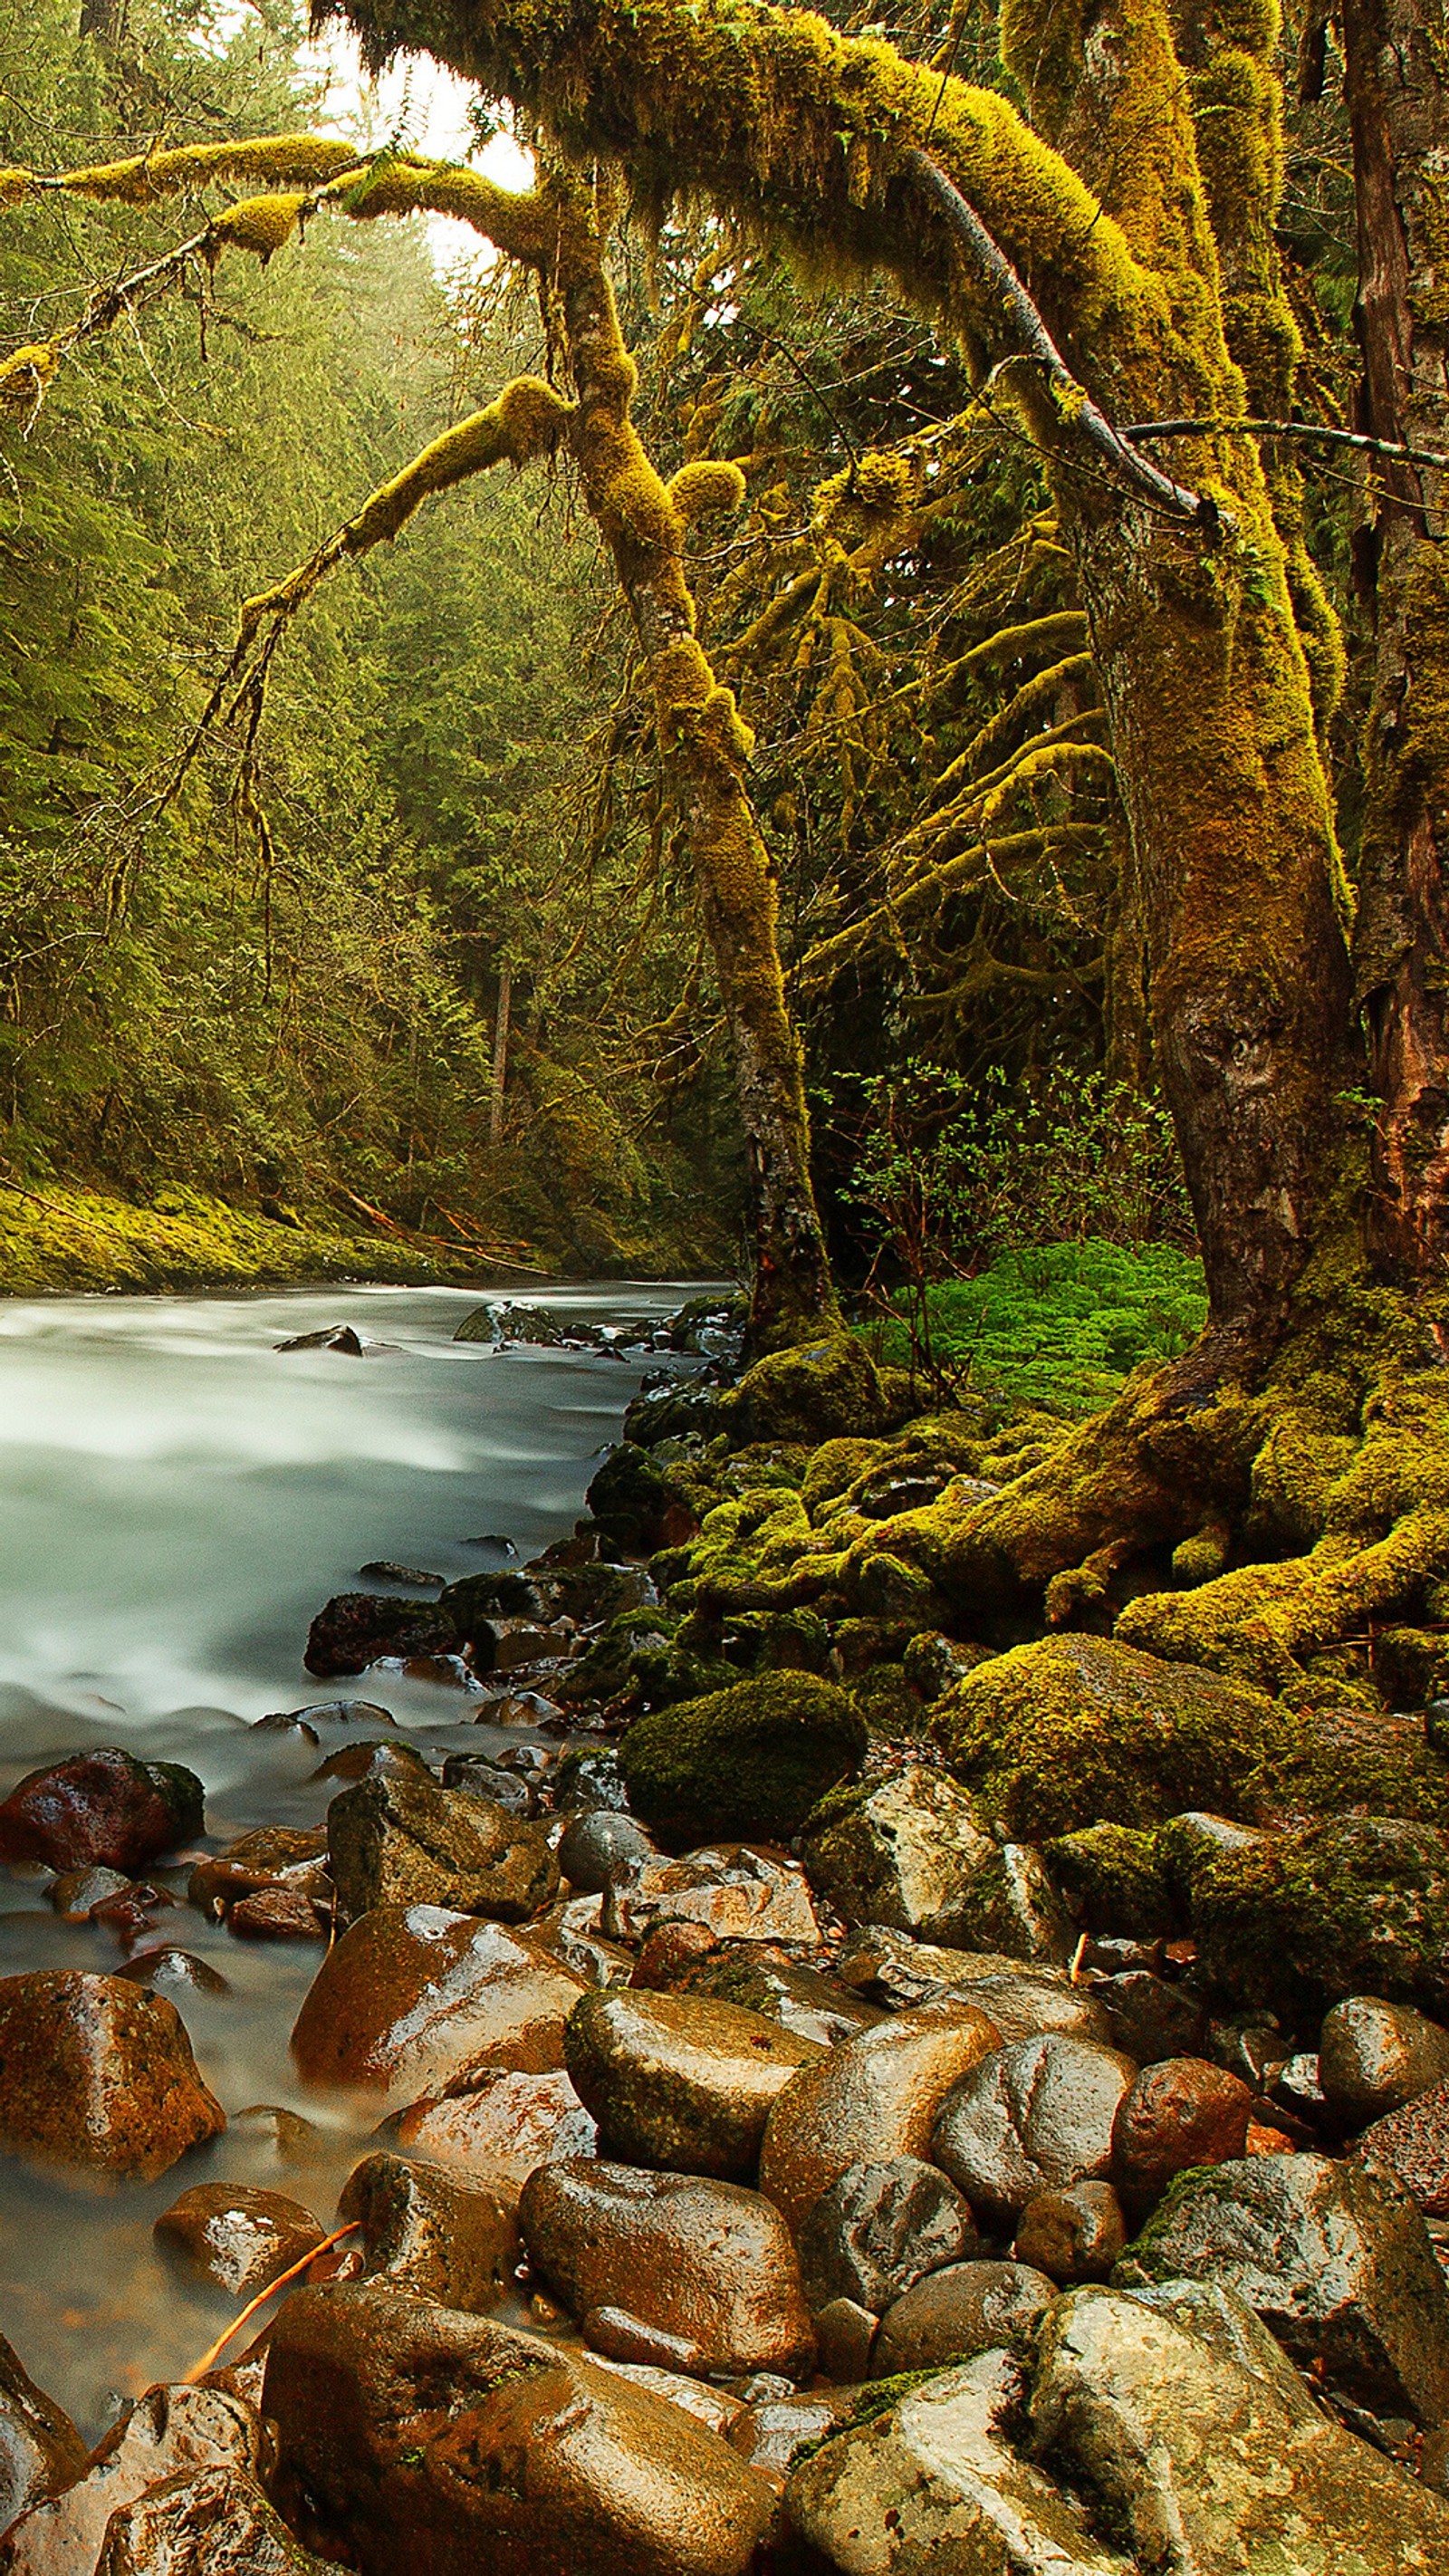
point(356, 1629)
point(175, 1971)
point(98, 2073)
point(102, 1806)
point(1413, 2145)
point(414, 1998)
point(273, 1856)
point(1179, 2113)
point(278, 1914)
point(237, 2237)
point(502, 2128)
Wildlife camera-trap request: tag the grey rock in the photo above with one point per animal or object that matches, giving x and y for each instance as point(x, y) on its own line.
point(1374, 2057)
point(1333, 2257)
point(968, 2308)
point(908, 1852)
point(485, 1779)
point(402, 1841)
point(1032, 2118)
point(1020, 1996)
point(602, 1850)
point(881, 2228)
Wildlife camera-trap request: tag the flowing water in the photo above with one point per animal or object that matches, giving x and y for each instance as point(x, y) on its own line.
point(177, 1498)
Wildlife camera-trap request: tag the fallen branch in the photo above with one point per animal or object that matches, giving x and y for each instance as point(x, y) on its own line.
point(199, 2369)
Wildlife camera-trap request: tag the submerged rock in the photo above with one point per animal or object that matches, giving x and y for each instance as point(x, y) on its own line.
point(236, 2236)
point(103, 1807)
point(416, 1998)
point(670, 2268)
point(680, 2081)
point(750, 1760)
point(97, 2073)
point(420, 2442)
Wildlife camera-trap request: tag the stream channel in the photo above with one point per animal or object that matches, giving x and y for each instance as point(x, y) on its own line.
point(177, 1498)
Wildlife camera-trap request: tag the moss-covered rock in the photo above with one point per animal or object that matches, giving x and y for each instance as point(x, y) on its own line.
point(1115, 1880)
point(821, 1391)
point(635, 1503)
point(752, 1760)
point(1074, 1731)
point(1358, 1906)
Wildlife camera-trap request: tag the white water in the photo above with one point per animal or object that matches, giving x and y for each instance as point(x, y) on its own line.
point(177, 1498)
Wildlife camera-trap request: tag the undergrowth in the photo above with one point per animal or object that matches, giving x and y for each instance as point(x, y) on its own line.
point(1057, 1324)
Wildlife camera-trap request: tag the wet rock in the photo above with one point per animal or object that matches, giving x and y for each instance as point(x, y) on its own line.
point(170, 2432)
point(590, 1782)
point(217, 2523)
point(235, 2236)
point(1358, 1905)
point(846, 2334)
point(275, 1856)
point(279, 1914)
point(601, 1850)
point(881, 2228)
point(416, 1998)
point(500, 2127)
point(669, 2268)
point(867, 2101)
point(356, 1629)
point(735, 1893)
point(570, 1932)
point(908, 1852)
point(331, 1337)
point(1179, 2113)
point(799, 1999)
point(1373, 2057)
point(382, 1570)
point(403, 2429)
point(1180, 2416)
point(484, 1779)
point(283, 1721)
point(1020, 1997)
point(367, 1761)
point(1115, 1879)
point(751, 1760)
point(96, 2073)
point(101, 1807)
point(680, 2081)
point(710, 2406)
point(1412, 2144)
point(969, 2308)
point(1073, 2235)
point(403, 1841)
point(635, 1505)
point(432, 2232)
point(40, 2450)
point(935, 2482)
point(293, 2139)
point(772, 2435)
point(332, 1712)
point(74, 1895)
point(1150, 2018)
point(1332, 2257)
point(1030, 2118)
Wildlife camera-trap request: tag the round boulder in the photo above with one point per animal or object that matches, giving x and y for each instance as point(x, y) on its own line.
point(868, 2100)
point(680, 2080)
point(235, 2236)
point(103, 1806)
point(1032, 2118)
point(881, 2228)
point(97, 2073)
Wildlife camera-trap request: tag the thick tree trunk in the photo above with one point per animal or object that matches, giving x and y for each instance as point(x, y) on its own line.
point(1399, 110)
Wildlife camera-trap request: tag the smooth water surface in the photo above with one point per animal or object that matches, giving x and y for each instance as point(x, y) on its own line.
point(177, 1498)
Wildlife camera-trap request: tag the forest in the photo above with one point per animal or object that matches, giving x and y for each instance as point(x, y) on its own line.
point(840, 685)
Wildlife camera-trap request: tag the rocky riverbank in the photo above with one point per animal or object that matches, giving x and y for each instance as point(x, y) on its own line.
point(853, 2087)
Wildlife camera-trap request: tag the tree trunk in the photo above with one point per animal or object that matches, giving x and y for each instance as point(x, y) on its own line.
point(500, 1057)
point(1400, 122)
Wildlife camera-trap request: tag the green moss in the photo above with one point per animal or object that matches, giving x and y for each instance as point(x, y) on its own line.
point(1357, 1906)
point(1064, 1323)
point(1114, 1879)
point(822, 1390)
point(888, 1701)
point(65, 1238)
point(751, 1760)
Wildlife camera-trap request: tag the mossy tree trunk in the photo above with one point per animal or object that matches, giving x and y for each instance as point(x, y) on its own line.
point(1399, 110)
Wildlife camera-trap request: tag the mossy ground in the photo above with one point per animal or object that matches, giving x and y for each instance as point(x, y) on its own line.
point(58, 1238)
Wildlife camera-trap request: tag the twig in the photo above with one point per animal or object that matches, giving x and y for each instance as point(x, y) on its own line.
point(1358, 440)
point(199, 2368)
point(1002, 283)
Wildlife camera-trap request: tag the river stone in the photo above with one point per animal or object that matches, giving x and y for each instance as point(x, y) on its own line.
point(1412, 2144)
point(678, 2080)
point(1178, 2415)
point(771, 2434)
point(966, 2309)
point(1374, 2057)
point(1115, 1880)
point(934, 2484)
point(734, 1893)
point(356, 1629)
point(1358, 1905)
point(846, 2333)
point(880, 2228)
point(103, 1806)
point(1021, 1997)
point(415, 1998)
point(275, 1856)
point(868, 2100)
point(236, 2236)
point(170, 2432)
point(700, 2276)
point(1149, 2018)
point(430, 2231)
point(600, 1850)
point(485, 1779)
point(97, 2073)
point(500, 2127)
point(750, 1760)
point(799, 1999)
point(1073, 1731)
point(908, 1851)
point(74, 1895)
point(40, 2450)
point(1333, 2257)
point(216, 2524)
point(1030, 2118)
point(375, 1759)
point(293, 2140)
point(419, 2442)
point(1073, 2235)
point(404, 1841)
point(1181, 2112)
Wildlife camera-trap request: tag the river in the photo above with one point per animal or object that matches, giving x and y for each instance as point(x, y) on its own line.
point(177, 1497)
